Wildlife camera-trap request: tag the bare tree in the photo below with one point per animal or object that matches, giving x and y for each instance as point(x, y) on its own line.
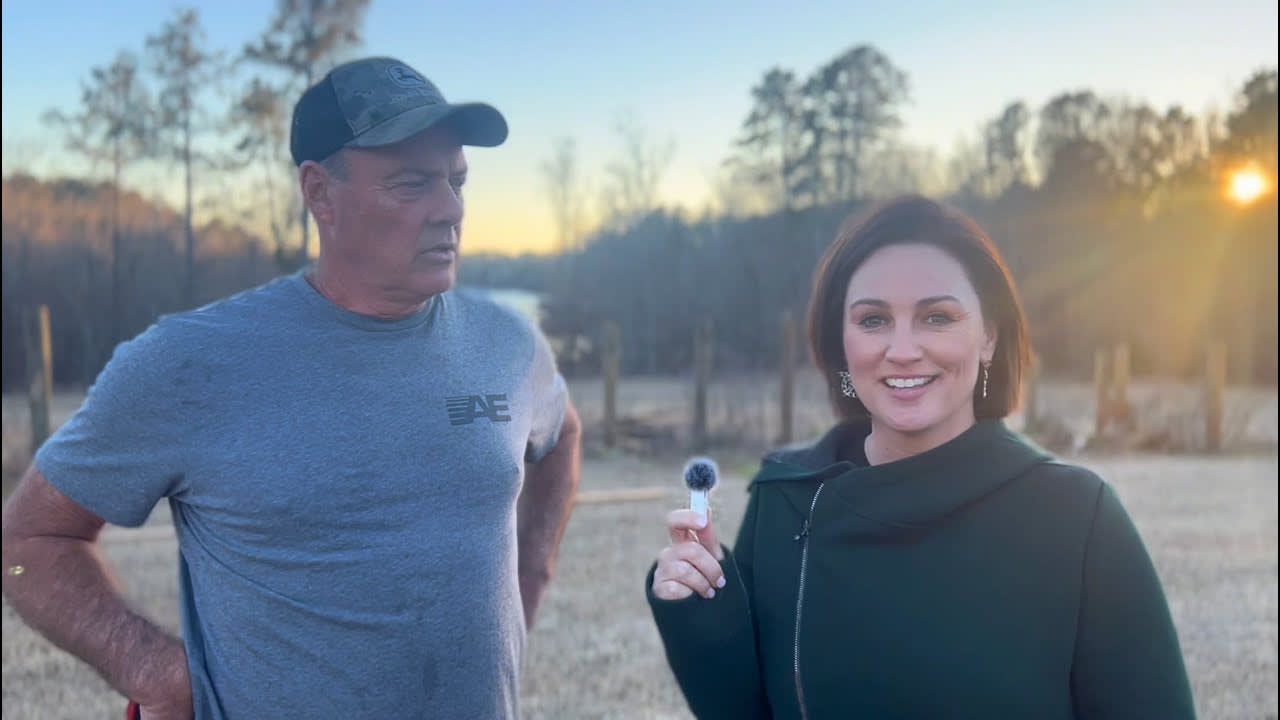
point(19, 155)
point(1252, 138)
point(1251, 127)
point(966, 167)
point(304, 39)
point(896, 167)
point(631, 190)
point(564, 191)
point(260, 119)
point(1007, 141)
point(1185, 141)
point(113, 125)
point(1069, 141)
point(772, 147)
point(180, 60)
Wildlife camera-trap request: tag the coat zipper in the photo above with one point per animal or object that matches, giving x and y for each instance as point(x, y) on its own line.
point(803, 539)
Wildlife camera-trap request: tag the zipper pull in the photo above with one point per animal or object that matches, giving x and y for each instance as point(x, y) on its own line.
point(804, 531)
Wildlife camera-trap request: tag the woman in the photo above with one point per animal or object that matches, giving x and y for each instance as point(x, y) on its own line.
point(920, 560)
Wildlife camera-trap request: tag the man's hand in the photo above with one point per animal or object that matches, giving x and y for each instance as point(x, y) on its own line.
point(58, 582)
point(168, 693)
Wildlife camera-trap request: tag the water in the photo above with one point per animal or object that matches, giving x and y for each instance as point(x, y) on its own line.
point(528, 304)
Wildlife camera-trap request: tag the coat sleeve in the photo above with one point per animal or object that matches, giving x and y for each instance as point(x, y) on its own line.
point(711, 644)
point(1128, 661)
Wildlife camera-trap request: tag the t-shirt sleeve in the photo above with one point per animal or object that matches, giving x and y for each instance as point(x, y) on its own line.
point(1128, 659)
point(121, 452)
point(550, 399)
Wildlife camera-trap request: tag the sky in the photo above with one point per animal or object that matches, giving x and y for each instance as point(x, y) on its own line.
point(682, 70)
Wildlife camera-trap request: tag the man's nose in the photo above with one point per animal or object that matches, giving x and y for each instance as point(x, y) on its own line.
point(449, 208)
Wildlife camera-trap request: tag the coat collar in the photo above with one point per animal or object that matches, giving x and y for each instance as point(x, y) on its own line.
point(911, 495)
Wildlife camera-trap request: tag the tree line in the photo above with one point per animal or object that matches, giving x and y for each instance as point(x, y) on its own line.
point(1111, 212)
point(106, 258)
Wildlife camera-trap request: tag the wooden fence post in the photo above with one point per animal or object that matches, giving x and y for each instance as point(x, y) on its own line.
point(612, 362)
point(787, 369)
point(702, 350)
point(1101, 392)
point(1215, 380)
point(40, 367)
point(1120, 375)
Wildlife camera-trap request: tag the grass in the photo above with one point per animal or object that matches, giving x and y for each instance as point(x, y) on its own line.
point(1209, 522)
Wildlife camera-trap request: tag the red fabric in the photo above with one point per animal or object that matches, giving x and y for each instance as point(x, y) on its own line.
point(132, 711)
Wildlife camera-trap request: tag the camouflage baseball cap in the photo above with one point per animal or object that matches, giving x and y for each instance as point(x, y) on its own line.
point(380, 101)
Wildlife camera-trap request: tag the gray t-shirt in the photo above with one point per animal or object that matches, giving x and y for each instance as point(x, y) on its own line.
point(343, 491)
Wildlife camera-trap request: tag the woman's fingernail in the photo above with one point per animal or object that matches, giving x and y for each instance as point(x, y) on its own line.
point(702, 521)
point(711, 594)
point(720, 582)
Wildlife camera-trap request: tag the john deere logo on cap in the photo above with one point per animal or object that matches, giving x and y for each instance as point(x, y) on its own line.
point(405, 76)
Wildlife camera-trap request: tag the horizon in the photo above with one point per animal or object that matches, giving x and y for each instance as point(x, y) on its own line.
point(572, 74)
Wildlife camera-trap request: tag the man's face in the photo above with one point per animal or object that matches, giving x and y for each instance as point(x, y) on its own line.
point(396, 216)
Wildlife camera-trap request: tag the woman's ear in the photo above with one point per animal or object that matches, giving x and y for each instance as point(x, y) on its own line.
point(989, 346)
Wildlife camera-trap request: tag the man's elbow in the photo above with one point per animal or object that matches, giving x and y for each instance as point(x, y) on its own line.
point(561, 466)
point(571, 428)
point(18, 510)
point(37, 510)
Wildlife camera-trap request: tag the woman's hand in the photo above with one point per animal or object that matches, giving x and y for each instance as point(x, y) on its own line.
point(691, 564)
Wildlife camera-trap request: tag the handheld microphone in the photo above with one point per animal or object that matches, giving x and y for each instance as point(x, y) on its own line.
point(700, 475)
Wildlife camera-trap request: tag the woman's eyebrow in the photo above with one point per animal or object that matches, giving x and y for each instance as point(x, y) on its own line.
point(921, 303)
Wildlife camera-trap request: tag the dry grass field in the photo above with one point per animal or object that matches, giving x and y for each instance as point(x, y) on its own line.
point(1210, 523)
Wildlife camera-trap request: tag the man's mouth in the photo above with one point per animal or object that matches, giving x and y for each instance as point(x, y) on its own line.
point(442, 250)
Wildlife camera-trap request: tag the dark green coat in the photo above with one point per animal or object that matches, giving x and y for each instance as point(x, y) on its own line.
point(980, 579)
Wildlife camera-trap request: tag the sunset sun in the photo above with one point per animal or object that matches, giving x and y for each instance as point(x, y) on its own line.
point(1245, 185)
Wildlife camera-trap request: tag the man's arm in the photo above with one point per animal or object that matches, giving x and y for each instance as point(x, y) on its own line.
point(550, 487)
point(58, 582)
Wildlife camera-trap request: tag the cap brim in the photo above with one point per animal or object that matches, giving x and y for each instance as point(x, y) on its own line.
point(477, 124)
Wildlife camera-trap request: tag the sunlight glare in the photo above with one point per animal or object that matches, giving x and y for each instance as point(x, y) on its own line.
point(1246, 185)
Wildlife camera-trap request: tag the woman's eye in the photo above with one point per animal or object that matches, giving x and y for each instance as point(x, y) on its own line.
point(871, 322)
point(939, 319)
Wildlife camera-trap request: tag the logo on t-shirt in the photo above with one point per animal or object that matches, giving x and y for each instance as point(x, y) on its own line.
point(466, 409)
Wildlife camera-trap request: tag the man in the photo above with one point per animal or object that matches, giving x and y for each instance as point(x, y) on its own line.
point(343, 450)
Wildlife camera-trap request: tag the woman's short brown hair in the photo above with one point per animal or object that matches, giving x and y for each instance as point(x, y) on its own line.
point(913, 219)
